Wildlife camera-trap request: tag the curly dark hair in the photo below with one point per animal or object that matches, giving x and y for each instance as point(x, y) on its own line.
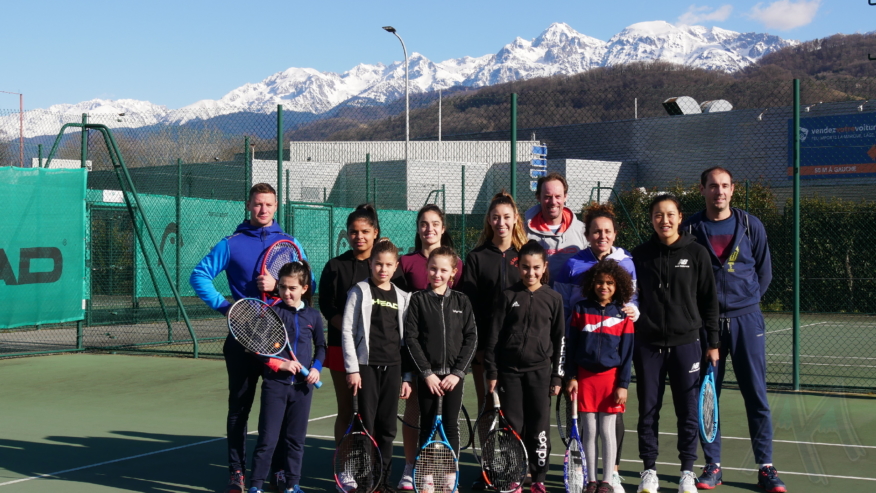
point(623, 281)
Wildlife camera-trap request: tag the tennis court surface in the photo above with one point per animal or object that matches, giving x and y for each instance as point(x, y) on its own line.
point(108, 423)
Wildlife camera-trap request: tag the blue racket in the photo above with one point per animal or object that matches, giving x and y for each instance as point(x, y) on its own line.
point(437, 467)
point(574, 467)
point(258, 328)
point(708, 406)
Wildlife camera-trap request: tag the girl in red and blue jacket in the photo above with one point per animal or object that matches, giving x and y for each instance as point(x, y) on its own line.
point(598, 361)
point(286, 393)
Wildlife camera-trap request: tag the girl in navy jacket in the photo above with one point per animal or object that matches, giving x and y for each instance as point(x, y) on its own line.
point(286, 394)
point(600, 354)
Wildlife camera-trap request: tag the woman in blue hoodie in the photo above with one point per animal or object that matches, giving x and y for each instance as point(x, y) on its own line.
point(239, 256)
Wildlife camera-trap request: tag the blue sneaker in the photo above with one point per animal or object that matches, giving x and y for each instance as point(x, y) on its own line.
point(294, 489)
point(253, 489)
point(768, 479)
point(710, 478)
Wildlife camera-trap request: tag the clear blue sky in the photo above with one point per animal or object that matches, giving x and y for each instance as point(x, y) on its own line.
point(177, 52)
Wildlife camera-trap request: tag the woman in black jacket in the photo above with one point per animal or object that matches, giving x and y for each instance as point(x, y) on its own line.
point(677, 297)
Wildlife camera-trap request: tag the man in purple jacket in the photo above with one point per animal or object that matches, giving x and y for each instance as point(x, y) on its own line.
point(737, 245)
point(240, 256)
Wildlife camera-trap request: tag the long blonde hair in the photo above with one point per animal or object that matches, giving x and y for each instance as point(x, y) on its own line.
point(518, 234)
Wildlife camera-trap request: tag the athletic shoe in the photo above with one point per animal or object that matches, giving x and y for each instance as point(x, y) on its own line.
point(406, 483)
point(294, 489)
point(649, 482)
point(537, 487)
point(236, 483)
point(687, 483)
point(591, 487)
point(605, 488)
point(255, 490)
point(615, 483)
point(279, 480)
point(710, 478)
point(516, 488)
point(478, 485)
point(429, 484)
point(768, 479)
point(450, 482)
point(348, 482)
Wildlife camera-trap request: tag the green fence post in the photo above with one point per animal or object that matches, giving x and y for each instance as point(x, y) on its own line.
point(286, 226)
point(444, 198)
point(514, 146)
point(84, 152)
point(39, 155)
point(246, 173)
point(178, 234)
point(599, 192)
point(462, 241)
point(280, 197)
point(367, 177)
point(796, 236)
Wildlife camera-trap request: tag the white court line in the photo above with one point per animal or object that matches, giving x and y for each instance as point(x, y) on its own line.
point(820, 356)
point(147, 454)
point(792, 328)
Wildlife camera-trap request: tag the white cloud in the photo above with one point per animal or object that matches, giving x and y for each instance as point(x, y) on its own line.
point(785, 14)
point(696, 15)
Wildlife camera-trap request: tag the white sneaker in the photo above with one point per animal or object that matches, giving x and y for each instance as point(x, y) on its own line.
point(428, 484)
point(616, 481)
point(348, 482)
point(687, 483)
point(406, 483)
point(449, 482)
point(649, 482)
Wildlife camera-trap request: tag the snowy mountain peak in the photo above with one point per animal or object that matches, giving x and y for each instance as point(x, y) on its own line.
point(558, 50)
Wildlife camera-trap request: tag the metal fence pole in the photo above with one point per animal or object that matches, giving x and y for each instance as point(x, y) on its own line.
point(367, 177)
point(280, 197)
point(514, 145)
point(84, 152)
point(796, 237)
point(178, 234)
point(39, 155)
point(462, 240)
point(246, 168)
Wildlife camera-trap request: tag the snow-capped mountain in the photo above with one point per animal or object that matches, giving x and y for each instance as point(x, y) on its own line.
point(559, 50)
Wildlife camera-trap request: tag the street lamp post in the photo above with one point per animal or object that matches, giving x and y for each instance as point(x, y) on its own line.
point(391, 29)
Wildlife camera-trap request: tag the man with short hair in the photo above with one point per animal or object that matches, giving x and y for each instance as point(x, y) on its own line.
point(553, 225)
point(737, 245)
point(240, 255)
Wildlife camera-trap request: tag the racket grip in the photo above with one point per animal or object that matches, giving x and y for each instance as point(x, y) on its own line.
point(304, 372)
point(318, 384)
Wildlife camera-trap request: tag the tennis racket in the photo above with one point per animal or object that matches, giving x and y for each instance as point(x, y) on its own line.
point(358, 465)
point(276, 256)
point(482, 428)
point(409, 415)
point(436, 468)
point(258, 328)
point(564, 417)
point(574, 468)
point(708, 406)
point(465, 431)
point(504, 460)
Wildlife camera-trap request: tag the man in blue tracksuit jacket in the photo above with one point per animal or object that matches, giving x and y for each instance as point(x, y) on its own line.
point(737, 244)
point(240, 256)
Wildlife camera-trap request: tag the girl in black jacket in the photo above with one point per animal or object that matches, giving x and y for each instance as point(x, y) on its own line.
point(677, 297)
point(490, 269)
point(441, 336)
point(523, 354)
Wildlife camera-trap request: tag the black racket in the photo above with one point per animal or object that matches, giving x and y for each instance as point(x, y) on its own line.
point(465, 431)
point(437, 467)
point(564, 417)
point(358, 465)
point(708, 406)
point(482, 428)
point(258, 328)
point(504, 460)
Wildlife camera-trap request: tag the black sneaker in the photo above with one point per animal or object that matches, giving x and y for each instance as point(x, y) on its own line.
point(768, 479)
point(236, 482)
point(710, 478)
point(478, 485)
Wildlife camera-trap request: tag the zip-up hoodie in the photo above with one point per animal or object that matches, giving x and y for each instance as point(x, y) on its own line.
point(416, 274)
point(488, 272)
point(744, 278)
point(677, 294)
point(600, 338)
point(304, 329)
point(356, 333)
point(560, 246)
point(240, 256)
point(568, 282)
point(527, 333)
point(440, 333)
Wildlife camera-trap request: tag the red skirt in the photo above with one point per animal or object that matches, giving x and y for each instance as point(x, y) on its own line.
point(334, 358)
point(596, 392)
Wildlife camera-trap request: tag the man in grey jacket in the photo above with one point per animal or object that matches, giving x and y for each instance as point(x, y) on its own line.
point(554, 225)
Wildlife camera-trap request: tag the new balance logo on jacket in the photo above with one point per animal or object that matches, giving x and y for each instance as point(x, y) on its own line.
point(695, 368)
point(682, 262)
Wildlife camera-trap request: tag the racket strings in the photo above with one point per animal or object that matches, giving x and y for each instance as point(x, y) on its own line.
point(256, 327)
point(435, 470)
point(279, 256)
point(358, 463)
point(574, 468)
point(709, 409)
point(504, 460)
point(482, 430)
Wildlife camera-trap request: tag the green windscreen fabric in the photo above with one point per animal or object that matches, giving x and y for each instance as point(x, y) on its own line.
point(42, 245)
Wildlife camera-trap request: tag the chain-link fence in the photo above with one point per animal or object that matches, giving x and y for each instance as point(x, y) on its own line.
point(612, 134)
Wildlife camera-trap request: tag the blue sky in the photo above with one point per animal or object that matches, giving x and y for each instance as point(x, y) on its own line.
point(177, 52)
